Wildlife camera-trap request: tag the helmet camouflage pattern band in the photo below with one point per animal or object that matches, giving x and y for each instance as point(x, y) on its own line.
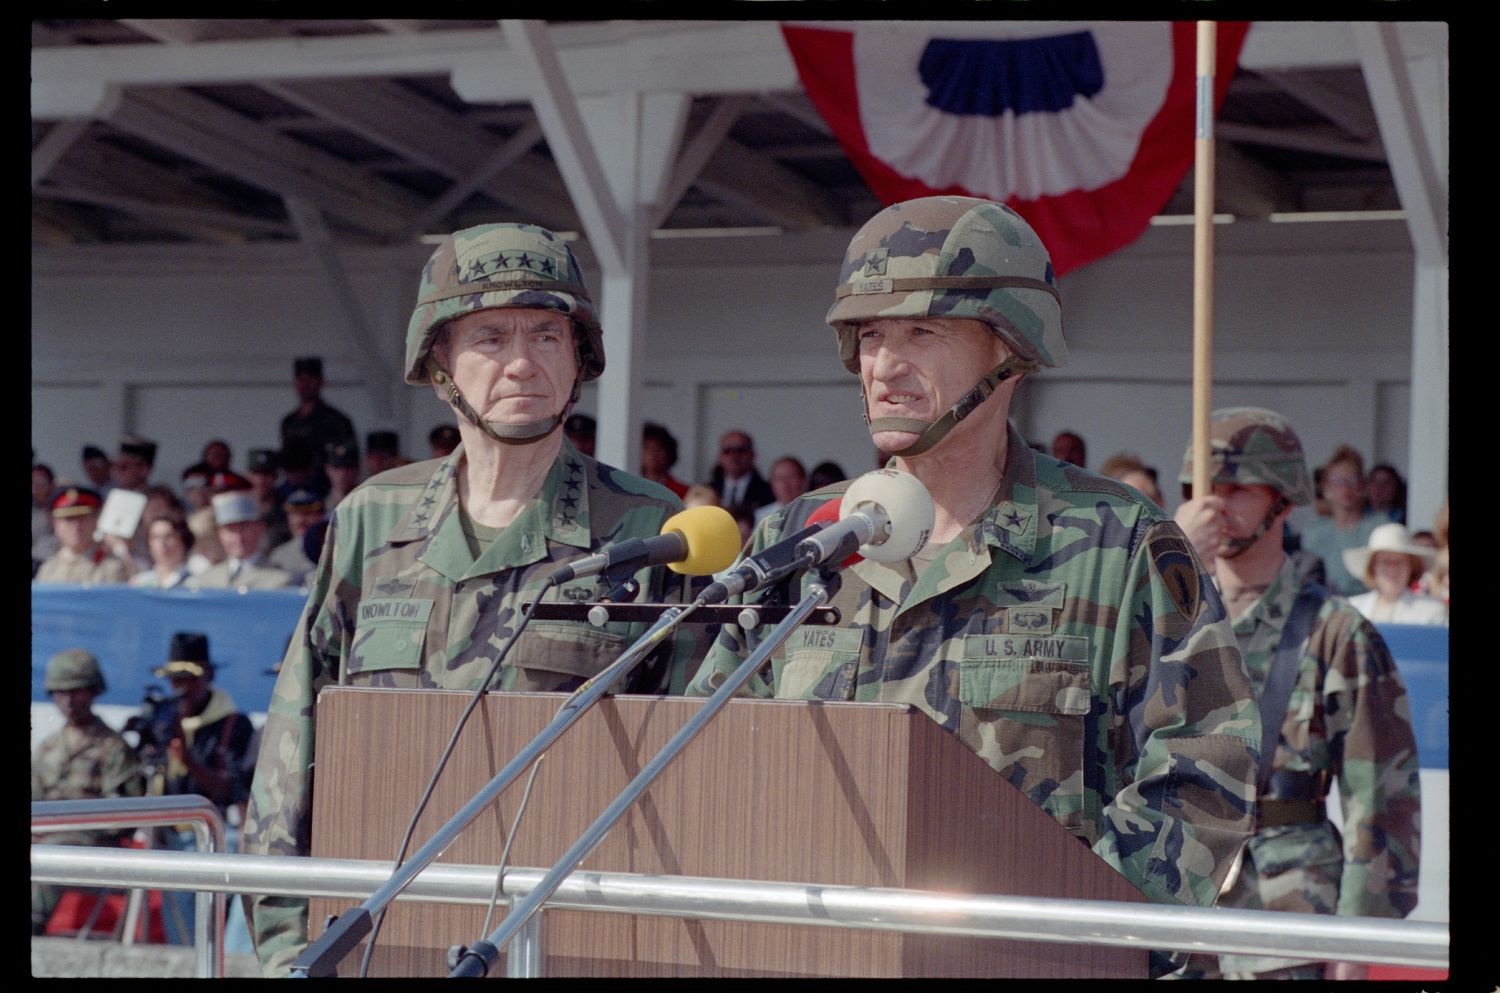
point(951, 256)
point(1253, 445)
point(74, 669)
point(501, 265)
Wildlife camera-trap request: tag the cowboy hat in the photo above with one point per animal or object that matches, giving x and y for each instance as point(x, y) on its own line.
point(1386, 538)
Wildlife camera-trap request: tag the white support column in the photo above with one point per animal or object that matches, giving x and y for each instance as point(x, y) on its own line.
point(616, 154)
point(642, 132)
point(1406, 70)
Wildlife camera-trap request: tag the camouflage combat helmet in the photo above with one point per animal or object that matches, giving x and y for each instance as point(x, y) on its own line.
point(953, 257)
point(1252, 445)
point(492, 266)
point(72, 670)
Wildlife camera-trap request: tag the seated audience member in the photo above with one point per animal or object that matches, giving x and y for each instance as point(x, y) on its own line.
point(195, 493)
point(1069, 446)
point(1388, 565)
point(582, 430)
point(1347, 525)
point(96, 468)
point(303, 509)
point(1128, 468)
point(82, 760)
point(382, 452)
point(700, 495)
point(131, 469)
point(217, 455)
point(242, 532)
point(444, 439)
point(80, 559)
point(658, 456)
point(735, 477)
point(43, 541)
point(1387, 493)
point(170, 541)
point(341, 464)
point(788, 482)
point(825, 473)
point(206, 548)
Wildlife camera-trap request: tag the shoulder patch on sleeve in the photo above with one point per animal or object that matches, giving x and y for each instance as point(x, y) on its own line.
point(1176, 569)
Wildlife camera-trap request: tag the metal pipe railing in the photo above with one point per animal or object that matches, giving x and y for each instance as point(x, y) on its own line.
point(1421, 944)
point(207, 822)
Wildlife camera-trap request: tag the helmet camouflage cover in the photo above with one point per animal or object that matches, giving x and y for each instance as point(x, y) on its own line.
point(74, 669)
point(501, 265)
point(957, 257)
point(1250, 445)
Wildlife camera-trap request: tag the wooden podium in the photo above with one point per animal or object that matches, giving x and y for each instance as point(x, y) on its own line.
point(787, 791)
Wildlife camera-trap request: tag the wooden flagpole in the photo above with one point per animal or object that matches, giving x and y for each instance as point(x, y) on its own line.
point(1203, 252)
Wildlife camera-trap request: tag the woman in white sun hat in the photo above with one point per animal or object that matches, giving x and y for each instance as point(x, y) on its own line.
point(1388, 564)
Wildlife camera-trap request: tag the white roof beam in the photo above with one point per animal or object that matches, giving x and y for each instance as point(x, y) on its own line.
point(205, 132)
point(557, 108)
point(1417, 148)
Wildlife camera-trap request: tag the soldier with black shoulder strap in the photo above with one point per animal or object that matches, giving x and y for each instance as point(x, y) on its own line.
point(1331, 707)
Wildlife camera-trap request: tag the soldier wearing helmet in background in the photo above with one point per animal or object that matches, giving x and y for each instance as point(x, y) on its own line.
point(505, 331)
point(83, 760)
point(1332, 705)
point(1056, 622)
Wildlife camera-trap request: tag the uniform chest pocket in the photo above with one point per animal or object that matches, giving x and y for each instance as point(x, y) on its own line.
point(819, 664)
point(389, 633)
point(562, 647)
point(1031, 714)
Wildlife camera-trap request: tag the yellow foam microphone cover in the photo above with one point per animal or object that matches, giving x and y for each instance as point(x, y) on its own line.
point(713, 540)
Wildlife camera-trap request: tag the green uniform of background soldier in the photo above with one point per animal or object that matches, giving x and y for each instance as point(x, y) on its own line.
point(1347, 716)
point(1056, 622)
point(425, 567)
point(83, 760)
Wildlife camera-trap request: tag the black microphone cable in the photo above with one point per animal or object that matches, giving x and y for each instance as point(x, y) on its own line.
point(463, 719)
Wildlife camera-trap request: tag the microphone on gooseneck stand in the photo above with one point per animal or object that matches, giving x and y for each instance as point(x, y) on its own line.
point(693, 542)
point(885, 515)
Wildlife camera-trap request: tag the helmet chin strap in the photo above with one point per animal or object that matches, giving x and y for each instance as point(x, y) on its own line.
point(932, 432)
point(508, 434)
point(1238, 546)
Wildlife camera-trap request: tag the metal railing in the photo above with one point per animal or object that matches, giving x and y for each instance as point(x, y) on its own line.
point(1091, 922)
point(207, 823)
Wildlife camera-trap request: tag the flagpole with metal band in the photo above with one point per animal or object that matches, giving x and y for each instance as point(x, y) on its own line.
point(1203, 250)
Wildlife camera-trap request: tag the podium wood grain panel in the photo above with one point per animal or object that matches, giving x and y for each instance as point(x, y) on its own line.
point(789, 791)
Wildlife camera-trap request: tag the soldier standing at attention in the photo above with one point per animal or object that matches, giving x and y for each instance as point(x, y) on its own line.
point(1057, 623)
point(1328, 685)
point(505, 331)
point(314, 422)
point(83, 760)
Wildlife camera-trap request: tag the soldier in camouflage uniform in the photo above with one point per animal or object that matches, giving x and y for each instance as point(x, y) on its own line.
point(425, 568)
point(83, 760)
point(1056, 622)
point(1347, 717)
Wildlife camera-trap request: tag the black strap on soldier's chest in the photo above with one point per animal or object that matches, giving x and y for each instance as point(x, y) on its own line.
point(1277, 693)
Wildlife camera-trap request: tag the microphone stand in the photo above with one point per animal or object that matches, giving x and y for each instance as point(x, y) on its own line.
point(474, 961)
point(344, 932)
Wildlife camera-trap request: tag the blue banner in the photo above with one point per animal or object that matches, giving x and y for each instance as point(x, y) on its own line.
point(1421, 652)
point(129, 630)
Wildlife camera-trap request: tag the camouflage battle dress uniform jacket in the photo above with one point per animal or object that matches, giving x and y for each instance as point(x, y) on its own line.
point(1071, 639)
point(73, 765)
point(86, 765)
point(1348, 718)
point(398, 600)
